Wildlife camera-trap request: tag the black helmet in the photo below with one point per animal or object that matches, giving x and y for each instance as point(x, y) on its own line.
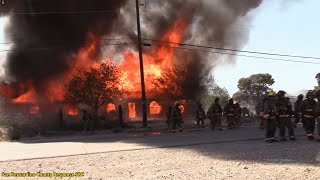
point(300, 96)
point(281, 93)
point(231, 101)
point(310, 93)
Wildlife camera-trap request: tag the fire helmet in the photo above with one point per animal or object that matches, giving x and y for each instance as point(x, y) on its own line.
point(310, 93)
point(300, 96)
point(281, 93)
point(271, 93)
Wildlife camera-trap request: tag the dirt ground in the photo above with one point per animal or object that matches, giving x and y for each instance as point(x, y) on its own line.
point(190, 155)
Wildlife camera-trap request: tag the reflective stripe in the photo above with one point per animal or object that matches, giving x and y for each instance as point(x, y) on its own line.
point(284, 116)
point(308, 116)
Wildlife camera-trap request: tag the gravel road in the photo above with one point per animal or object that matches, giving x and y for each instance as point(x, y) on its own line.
point(189, 155)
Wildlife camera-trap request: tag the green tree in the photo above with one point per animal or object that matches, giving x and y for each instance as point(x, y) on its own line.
point(217, 92)
point(94, 86)
point(254, 86)
point(241, 97)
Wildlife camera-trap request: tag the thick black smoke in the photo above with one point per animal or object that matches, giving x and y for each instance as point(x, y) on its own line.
point(53, 37)
point(217, 23)
point(210, 22)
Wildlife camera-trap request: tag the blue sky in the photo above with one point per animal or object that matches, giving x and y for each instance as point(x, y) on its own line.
point(284, 28)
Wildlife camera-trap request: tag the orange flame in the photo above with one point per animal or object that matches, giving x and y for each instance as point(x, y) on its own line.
point(132, 110)
point(154, 60)
point(28, 97)
point(155, 108)
point(34, 110)
point(111, 107)
point(71, 110)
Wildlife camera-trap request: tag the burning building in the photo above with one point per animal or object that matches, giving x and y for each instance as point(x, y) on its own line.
point(48, 48)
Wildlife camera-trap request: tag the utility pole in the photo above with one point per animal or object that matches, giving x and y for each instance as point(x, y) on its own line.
point(143, 90)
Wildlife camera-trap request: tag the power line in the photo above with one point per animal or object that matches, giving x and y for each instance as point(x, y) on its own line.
point(61, 12)
point(182, 48)
point(257, 57)
point(234, 50)
point(106, 39)
point(59, 47)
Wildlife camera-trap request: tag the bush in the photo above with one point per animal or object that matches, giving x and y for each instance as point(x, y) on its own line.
point(13, 126)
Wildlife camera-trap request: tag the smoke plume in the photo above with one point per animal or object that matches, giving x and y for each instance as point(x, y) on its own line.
point(210, 22)
point(217, 23)
point(52, 38)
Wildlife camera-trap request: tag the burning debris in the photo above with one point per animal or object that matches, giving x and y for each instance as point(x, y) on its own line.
point(155, 108)
point(111, 107)
point(132, 110)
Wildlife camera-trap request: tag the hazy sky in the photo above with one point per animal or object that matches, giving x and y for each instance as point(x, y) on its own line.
point(285, 28)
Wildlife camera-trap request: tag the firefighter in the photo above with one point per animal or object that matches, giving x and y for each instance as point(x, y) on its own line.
point(86, 117)
point(230, 111)
point(290, 124)
point(297, 112)
point(318, 114)
point(308, 114)
point(176, 118)
point(270, 119)
point(214, 114)
point(238, 112)
point(200, 115)
point(284, 114)
point(259, 111)
point(169, 116)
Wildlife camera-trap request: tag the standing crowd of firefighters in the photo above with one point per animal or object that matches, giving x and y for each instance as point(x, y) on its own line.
point(276, 111)
point(231, 111)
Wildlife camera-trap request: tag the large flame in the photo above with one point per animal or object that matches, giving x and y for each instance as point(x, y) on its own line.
point(154, 60)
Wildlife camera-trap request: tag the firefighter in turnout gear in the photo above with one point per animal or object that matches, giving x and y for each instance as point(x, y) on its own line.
point(200, 115)
point(284, 113)
point(318, 114)
point(169, 116)
point(297, 112)
point(270, 119)
point(176, 118)
point(230, 112)
point(238, 113)
point(259, 112)
point(308, 114)
point(214, 114)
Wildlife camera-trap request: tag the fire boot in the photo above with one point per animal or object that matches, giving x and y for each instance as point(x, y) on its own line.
point(292, 138)
point(268, 140)
point(283, 139)
point(274, 140)
point(310, 137)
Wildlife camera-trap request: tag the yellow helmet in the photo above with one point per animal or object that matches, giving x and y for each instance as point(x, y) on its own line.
point(271, 93)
